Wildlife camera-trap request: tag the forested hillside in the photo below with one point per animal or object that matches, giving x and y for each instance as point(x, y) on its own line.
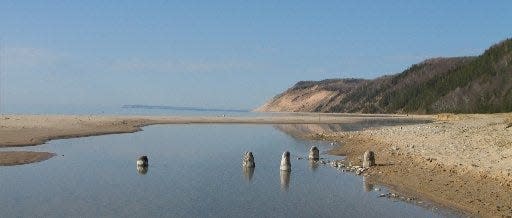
point(481, 84)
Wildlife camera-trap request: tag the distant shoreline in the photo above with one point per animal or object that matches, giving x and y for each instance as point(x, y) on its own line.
point(181, 108)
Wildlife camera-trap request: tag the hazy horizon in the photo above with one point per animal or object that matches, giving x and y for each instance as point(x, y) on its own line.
point(225, 55)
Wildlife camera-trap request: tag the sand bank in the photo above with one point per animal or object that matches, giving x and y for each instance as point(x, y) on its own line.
point(11, 158)
point(462, 161)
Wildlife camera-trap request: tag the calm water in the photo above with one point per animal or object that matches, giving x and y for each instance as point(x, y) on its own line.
point(195, 171)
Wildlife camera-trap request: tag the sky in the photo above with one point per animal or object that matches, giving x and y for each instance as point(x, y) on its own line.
point(221, 54)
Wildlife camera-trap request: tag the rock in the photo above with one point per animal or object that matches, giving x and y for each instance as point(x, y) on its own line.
point(142, 161)
point(368, 159)
point(334, 164)
point(248, 160)
point(314, 153)
point(285, 162)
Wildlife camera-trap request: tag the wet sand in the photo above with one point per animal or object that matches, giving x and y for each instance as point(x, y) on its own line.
point(12, 158)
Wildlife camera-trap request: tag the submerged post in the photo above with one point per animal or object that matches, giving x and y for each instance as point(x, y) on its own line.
point(248, 160)
point(368, 159)
point(285, 162)
point(314, 153)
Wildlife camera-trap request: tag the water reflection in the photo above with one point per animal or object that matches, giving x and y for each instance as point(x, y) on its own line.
point(367, 186)
point(285, 179)
point(142, 170)
point(301, 131)
point(313, 165)
point(248, 172)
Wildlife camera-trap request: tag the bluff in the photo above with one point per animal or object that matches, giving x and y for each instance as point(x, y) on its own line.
point(480, 84)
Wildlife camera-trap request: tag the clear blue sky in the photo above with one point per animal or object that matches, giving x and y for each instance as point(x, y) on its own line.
point(223, 54)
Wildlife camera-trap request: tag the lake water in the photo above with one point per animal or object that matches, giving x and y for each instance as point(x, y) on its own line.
point(194, 171)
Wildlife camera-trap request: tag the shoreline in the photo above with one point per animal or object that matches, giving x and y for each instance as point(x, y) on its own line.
point(30, 130)
point(459, 161)
point(462, 162)
point(13, 158)
point(33, 130)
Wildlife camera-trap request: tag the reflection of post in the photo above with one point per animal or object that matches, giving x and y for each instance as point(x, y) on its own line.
point(285, 179)
point(313, 165)
point(367, 186)
point(248, 172)
point(142, 170)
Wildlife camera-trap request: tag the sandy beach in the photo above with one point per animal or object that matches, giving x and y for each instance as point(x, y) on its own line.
point(460, 161)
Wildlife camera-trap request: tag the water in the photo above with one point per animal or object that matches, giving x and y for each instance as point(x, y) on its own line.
point(125, 110)
point(194, 171)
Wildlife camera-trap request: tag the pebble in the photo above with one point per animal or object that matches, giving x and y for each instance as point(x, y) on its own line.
point(334, 164)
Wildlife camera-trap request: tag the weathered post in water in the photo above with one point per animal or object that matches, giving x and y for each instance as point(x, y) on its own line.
point(248, 160)
point(142, 161)
point(314, 153)
point(285, 162)
point(368, 159)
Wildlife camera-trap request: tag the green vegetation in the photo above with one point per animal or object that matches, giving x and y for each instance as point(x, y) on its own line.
point(481, 84)
point(490, 70)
